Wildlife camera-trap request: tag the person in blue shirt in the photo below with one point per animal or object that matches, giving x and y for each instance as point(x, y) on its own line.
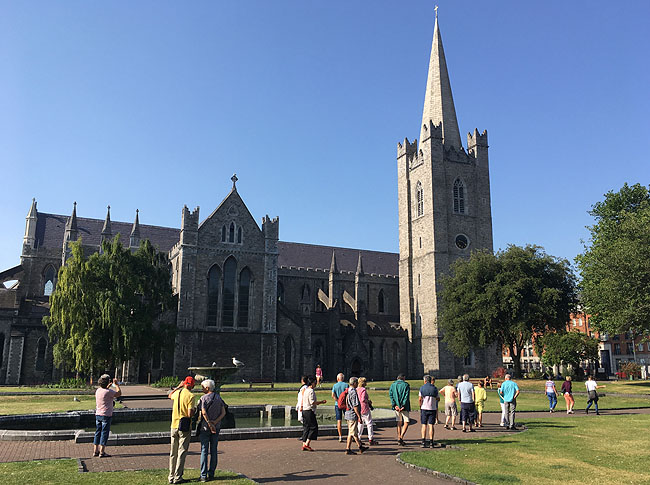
point(508, 392)
point(337, 390)
point(428, 398)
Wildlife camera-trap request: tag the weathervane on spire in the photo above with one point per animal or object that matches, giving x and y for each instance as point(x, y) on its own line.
point(436, 10)
point(234, 180)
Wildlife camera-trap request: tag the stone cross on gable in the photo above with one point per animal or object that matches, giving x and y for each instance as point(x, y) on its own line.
point(234, 180)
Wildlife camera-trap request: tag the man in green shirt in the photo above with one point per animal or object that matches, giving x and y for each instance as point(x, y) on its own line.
point(400, 400)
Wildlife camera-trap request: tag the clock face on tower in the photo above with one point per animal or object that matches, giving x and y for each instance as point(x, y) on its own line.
point(461, 241)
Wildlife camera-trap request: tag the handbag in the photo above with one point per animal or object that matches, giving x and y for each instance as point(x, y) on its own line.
point(184, 424)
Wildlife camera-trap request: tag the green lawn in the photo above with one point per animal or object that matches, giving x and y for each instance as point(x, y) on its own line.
point(622, 387)
point(65, 471)
point(527, 401)
point(602, 449)
point(46, 404)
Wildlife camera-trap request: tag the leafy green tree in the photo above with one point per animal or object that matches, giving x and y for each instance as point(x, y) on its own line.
point(507, 298)
point(568, 348)
point(615, 267)
point(106, 307)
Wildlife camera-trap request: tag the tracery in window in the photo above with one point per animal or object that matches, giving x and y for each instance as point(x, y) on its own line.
point(229, 282)
point(244, 297)
point(459, 197)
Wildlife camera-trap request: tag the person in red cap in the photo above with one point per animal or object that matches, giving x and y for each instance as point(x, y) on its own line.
point(181, 432)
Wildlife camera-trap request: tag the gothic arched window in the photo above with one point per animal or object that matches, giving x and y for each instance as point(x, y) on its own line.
point(223, 233)
point(239, 235)
point(419, 199)
point(244, 294)
point(229, 282)
point(48, 276)
point(214, 285)
point(381, 302)
point(459, 197)
point(231, 233)
point(41, 349)
point(288, 352)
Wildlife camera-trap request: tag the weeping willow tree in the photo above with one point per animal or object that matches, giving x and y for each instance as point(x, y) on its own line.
point(106, 307)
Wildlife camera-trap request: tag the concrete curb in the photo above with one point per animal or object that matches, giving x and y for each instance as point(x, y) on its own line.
point(435, 473)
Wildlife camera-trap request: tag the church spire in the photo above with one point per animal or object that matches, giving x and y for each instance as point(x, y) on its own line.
point(71, 225)
point(30, 226)
point(106, 230)
point(359, 265)
point(438, 100)
point(135, 231)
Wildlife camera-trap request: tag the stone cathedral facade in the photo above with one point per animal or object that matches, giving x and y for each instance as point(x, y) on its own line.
point(283, 307)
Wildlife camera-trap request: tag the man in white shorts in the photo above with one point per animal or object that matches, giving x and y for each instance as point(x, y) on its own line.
point(400, 400)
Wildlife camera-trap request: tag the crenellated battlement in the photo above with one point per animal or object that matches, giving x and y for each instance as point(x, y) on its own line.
point(476, 139)
point(190, 220)
point(407, 149)
point(306, 272)
point(271, 227)
point(429, 130)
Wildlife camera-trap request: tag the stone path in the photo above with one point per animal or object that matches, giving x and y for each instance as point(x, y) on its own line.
point(277, 460)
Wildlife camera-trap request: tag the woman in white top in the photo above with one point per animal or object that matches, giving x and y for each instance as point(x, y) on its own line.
point(309, 423)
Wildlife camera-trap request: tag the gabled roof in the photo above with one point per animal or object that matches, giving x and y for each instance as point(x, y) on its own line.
point(50, 232)
point(320, 257)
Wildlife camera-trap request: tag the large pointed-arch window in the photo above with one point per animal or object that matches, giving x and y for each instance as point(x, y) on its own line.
point(244, 297)
point(214, 287)
point(459, 197)
point(48, 276)
point(41, 349)
point(223, 233)
point(229, 282)
point(239, 235)
point(419, 199)
point(381, 302)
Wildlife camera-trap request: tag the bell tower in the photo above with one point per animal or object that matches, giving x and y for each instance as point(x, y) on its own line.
point(444, 214)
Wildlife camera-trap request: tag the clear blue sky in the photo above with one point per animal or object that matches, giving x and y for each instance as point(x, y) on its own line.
point(153, 105)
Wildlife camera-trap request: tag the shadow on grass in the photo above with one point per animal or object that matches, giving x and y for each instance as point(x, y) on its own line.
point(545, 424)
point(480, 441)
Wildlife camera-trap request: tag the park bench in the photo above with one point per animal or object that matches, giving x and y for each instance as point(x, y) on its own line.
point(495, 382)
point(261, 382)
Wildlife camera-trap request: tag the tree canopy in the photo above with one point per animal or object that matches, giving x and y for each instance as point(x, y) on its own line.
point(507, 298)
point(105, 308)
point(615, 266)
point(568, 348)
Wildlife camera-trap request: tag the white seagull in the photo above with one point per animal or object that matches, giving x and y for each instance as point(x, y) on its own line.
point(238, 363)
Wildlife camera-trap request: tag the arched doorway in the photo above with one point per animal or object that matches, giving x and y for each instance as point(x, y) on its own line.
point(356, 368)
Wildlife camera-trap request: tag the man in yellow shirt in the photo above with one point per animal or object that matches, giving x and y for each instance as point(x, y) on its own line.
point(183, 407)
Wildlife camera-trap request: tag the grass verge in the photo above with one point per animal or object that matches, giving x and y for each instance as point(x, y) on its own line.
point(606, 449)
point(65, 471)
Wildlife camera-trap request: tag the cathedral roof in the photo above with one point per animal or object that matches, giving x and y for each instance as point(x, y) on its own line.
point(50, 231)
point(320, 257)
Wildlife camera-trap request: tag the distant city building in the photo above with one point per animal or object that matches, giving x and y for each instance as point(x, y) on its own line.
point(613, 350)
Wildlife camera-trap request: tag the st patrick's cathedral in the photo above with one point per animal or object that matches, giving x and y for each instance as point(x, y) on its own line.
point(284, 307)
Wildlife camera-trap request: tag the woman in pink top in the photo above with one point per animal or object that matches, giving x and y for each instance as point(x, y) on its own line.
point(104, 413)
point(319, 375)
point(366, 408)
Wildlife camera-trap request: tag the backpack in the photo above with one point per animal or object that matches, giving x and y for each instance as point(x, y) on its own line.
point(342, 400)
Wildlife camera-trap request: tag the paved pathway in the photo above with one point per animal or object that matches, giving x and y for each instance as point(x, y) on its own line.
point(276, 460)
